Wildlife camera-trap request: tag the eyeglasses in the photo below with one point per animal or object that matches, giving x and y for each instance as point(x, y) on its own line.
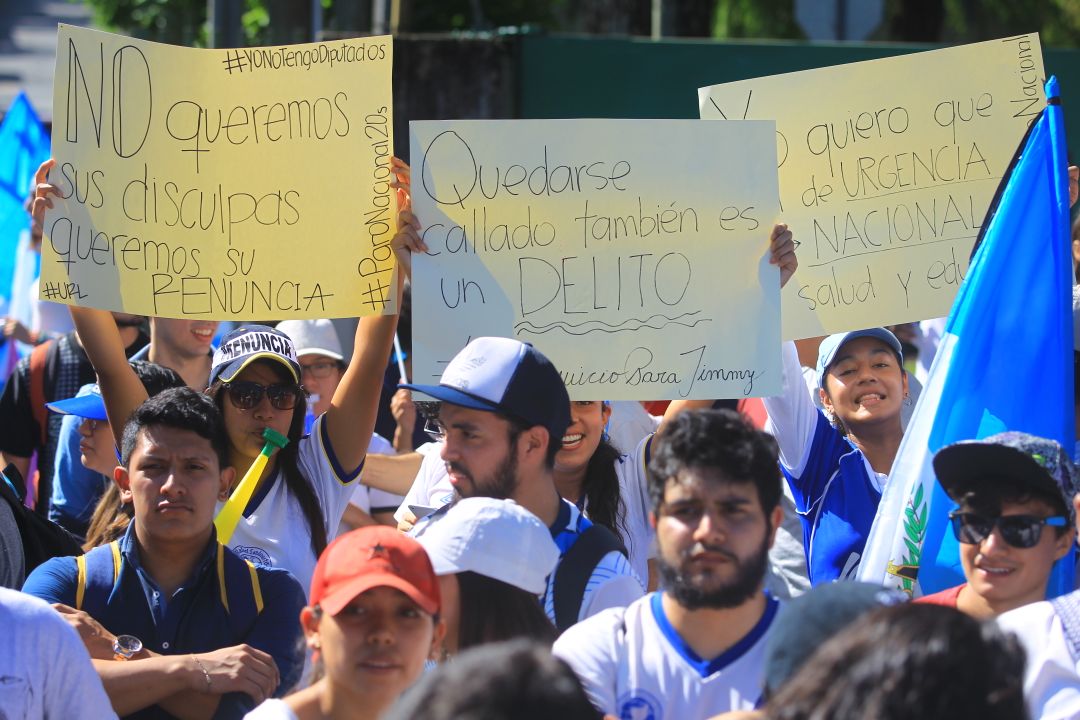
point(1020, 531)
point(435, 429)
point(319, 370)
point(245, 394)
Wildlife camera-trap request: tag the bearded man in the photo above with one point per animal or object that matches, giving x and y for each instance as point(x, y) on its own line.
point(695, 648)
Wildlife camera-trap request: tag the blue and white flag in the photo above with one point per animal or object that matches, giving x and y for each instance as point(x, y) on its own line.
point(24, 145)
point(1004, 363)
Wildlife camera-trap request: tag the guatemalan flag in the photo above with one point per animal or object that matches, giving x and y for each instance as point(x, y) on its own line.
point(24, 145)
point(1004, 363)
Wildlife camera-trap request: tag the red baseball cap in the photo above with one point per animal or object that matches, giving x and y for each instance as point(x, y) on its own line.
point(372, 557)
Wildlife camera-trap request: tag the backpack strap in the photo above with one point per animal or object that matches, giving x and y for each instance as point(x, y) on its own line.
point(576, 567)
point(99, 570)
point(234, 572)
point(37, 388)
point(646, 451)
point(238, 583)
point(1067, 608)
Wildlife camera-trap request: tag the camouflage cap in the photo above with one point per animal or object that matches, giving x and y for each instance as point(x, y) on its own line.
point(1034, 461)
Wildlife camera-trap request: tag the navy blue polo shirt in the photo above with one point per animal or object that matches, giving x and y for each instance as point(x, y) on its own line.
point(194, 619)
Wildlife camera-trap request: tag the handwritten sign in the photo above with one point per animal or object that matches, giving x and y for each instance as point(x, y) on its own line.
point(887, 169)
point(633, 253)
point(221, 184)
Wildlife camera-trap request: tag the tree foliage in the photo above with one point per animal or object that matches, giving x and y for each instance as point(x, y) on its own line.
point(180, 22)
point(280, 21)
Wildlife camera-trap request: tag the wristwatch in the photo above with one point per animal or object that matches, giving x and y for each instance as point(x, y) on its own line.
point(125, 646)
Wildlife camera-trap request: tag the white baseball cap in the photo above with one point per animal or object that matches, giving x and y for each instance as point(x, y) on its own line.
point(498, 539)
point(313, 337)
point(506, 376)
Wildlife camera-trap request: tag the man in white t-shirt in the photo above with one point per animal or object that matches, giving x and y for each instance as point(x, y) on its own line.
point(696, 648)
point(503, 415)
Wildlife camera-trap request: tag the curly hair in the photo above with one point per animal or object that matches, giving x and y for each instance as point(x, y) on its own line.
point(720, 439)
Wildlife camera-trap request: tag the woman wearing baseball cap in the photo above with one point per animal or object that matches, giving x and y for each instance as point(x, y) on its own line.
point(837, 461)
point(493, 558)
point(372, 623)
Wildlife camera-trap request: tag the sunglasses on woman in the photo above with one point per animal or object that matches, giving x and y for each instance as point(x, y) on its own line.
point(245, 394)
point(1020, 531)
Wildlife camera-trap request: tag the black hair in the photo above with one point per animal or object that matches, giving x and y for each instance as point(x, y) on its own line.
point(110, 518)
point(492, 610)
point(601, 491)
point(991, 492)
point(180, 408)
point(720, 439)
point(518, 679)
point(518, 426)
point(156, 378)
point(909, 661)
point(288, 463)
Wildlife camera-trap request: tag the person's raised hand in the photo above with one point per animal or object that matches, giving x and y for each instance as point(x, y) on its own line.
point(402, 180)
point(407, 240)
point(43, 191)
point(403, 409)
point(782, 252)
point(13, 329)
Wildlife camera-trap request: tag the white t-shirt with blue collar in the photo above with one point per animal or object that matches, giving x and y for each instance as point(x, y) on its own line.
point(273, 532)
point(632, 663)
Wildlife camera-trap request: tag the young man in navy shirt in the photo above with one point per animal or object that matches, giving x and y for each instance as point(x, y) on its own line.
point(177, 624)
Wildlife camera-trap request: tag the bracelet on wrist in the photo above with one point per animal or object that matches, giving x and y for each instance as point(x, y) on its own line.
point(206, 675)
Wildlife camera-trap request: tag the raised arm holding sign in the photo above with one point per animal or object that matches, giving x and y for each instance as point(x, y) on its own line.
point(255, 374)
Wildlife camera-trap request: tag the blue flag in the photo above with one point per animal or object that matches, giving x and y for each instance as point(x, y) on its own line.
point(24, 145)
point(1004, 363)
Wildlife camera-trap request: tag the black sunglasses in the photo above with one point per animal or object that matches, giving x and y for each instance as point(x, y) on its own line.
point(245, 394)
point(1020, 531)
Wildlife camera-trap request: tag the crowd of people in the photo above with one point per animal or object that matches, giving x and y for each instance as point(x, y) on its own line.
point(534, 557)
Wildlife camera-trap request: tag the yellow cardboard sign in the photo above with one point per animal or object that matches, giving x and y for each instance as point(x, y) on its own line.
point(887, 168)
point(232, 184)
point(633, 253)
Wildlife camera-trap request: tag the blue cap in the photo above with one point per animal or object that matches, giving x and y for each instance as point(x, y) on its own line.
point(832, 344)
point(505, 376)
point(87, 403)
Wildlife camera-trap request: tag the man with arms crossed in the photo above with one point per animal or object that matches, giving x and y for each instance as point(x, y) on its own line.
point(178, 624)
